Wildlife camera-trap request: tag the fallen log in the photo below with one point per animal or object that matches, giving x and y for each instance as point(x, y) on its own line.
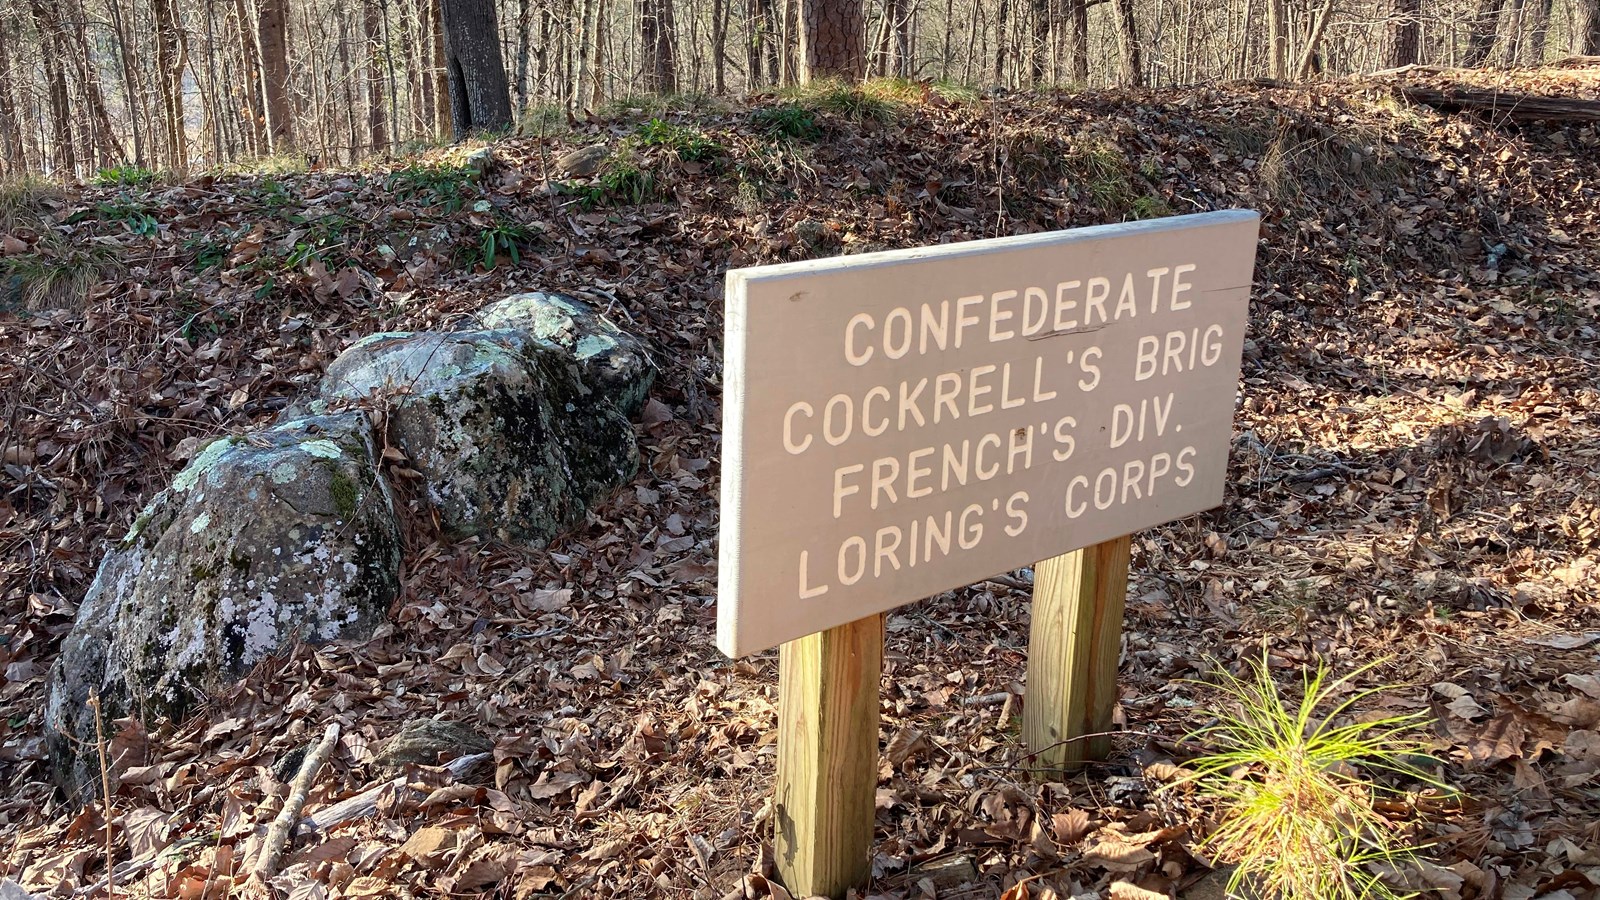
point(1503, 105)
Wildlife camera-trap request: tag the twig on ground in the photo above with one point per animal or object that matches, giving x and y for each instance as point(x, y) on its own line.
point(299, 792)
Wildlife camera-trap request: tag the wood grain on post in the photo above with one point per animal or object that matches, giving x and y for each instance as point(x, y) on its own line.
point(827, 775)
point(1073, 644)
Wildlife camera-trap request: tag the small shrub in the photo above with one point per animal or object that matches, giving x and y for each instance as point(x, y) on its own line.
point(1295, 787)
point(787, 121)
point(623, 180)
point(503, 237)
point(432, 185)
point(129, 175)
point(690, 144)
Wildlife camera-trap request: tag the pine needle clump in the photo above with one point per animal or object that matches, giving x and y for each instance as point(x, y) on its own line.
point(1294, 780)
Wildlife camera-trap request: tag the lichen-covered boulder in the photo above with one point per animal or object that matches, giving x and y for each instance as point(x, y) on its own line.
point(612, 361)
point(512, 440)
point(289, 534)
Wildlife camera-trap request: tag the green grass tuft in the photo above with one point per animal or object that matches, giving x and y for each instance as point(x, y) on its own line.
point(129, 175)
point(787, 121)
point(690, 144)
point(874, 101)
point(1295, 782)
point(56, 275)
point(23, 201)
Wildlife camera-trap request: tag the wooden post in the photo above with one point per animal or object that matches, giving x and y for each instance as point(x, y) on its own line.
point(1073, 645)
point(828, 757)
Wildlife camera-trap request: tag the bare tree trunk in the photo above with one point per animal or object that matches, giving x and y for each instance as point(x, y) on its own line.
point(771, 37)
point(1039, 41)
point(1539, 35)
point(377, 120)
point(1128, 41)
point(1001, 51)
point(480, 99)
point(66, 154)
point(1481, 34)
point(272, 29)
point(597, 85)
point(524, 52)
point(1078, 13)
point(108, 148)
point(832, 40)
point(658, 46)
point(216, 121)
point(1278, 39)
point(719, 46)
point(1586, 37)
point(1406, 29)
point(10, 127)
point(1308, 56)
point(791, 42)
point(1513, 48)
point(441, 78)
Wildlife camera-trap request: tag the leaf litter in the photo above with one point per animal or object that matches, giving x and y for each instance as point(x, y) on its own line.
point(1415, 477)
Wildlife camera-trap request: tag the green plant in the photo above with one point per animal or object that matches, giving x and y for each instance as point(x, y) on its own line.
point(788, 121)
point(1294, 780)
point(129, 175)
point(503, 237)
point(58, 275)
point(690, 145)
point(875, 101)
point(1149, 207)
point(432, 185)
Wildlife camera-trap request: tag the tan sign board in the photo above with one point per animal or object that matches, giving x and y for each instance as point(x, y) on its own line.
point(898, 424)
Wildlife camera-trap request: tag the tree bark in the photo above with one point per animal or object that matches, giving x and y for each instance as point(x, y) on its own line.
point(1078, 14)
point(524, 52)
point(107, 146)
point(1001, 51)
point(10, 127)
point(272, 29)
point(1481, 36)
point(659, 46)
point(1539, 34)
point(480, 99)
point(1128, 41)
point(1277, 39)
point(377, 118)
point(1308, 57)
point(832, 40)
point(719, 46)
point(1586, 37)
point(1406, 33)
point(66, 152)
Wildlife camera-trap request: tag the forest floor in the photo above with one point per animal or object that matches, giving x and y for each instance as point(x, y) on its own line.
point(1415, 482)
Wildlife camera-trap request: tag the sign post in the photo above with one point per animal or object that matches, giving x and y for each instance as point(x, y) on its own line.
point(899, 424)
point(1073, 640)
point(827, 778)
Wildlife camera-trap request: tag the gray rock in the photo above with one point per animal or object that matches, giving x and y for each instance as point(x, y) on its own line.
point(511, 441)
point(287, 535)
point(426, 741)
point(582, 163)
point(611, 360)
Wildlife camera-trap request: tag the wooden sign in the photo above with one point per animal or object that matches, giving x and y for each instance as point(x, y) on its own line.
point(898, 424)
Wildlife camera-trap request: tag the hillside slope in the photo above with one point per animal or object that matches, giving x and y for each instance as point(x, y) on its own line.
point(1415, 478)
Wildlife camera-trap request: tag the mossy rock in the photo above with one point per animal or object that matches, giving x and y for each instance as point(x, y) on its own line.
point(288, 536)
point(515, 439)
